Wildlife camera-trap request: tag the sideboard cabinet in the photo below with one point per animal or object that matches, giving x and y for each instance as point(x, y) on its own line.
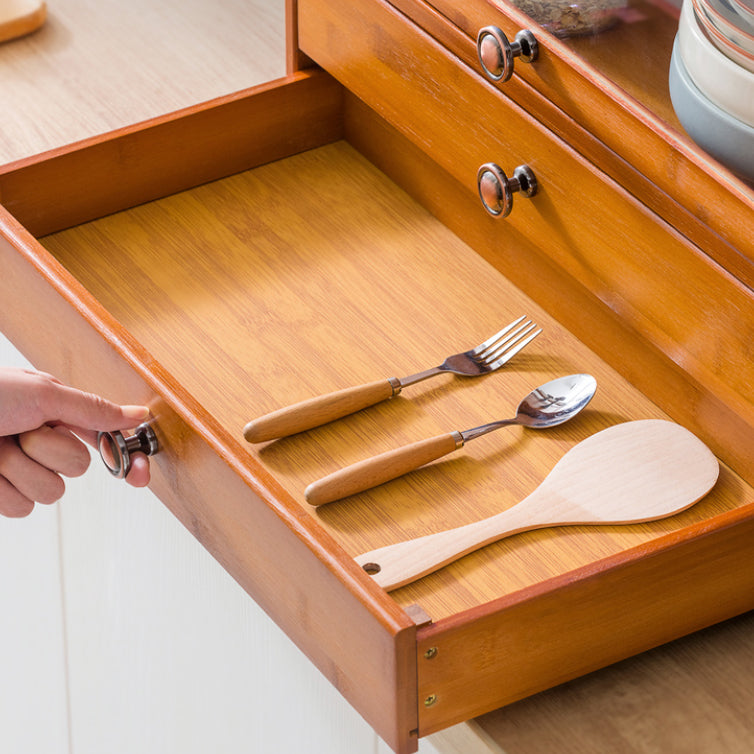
point(327, 229)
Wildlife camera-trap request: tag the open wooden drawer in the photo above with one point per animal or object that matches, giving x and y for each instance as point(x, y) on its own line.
point(231, 259)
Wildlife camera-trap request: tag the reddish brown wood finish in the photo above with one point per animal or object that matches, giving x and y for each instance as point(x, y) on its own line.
point(147, 160)
point(296, 60)
point(580, 309)
point(592, 230)
point(612, 108)
point(687, 217)
point(493, 656)
point(596, 261)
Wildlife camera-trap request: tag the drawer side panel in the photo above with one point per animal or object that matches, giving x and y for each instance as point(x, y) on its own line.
point(362, 642)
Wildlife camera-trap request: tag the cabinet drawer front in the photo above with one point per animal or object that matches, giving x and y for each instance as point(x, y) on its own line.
point(582, 90)
point(595, 232)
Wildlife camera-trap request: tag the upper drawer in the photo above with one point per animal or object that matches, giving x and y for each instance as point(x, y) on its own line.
point(621, 121)
point(587, 225)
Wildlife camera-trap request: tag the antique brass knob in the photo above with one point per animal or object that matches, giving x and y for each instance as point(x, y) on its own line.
point(496, 189)
point(115, 449)
point(496, 53)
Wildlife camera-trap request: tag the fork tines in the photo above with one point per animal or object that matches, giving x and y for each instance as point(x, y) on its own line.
point(504, 345)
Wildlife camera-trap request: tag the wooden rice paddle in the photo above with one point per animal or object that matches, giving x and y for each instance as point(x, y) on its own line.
point(632, 472)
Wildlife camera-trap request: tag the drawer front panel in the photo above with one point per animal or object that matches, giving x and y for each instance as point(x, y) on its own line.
point(662, 286)
point(591, 86)
point(589, 621)
point(358, 637)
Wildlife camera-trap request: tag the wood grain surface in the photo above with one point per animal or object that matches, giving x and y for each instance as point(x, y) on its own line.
point(169, 153)
point(255, 301)
point(692, 696)
point(590, 229)
point(607, 96)
point(239, 513)
point(251, 295)
point(97, 65)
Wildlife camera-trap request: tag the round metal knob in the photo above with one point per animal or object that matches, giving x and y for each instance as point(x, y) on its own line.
point(496, 53)
point(115, 449)
point(496, 189)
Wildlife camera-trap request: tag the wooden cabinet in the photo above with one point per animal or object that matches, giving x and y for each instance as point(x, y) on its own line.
point(325, 230)
point(607, 95)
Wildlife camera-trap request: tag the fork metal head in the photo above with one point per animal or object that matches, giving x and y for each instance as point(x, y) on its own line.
point(495, 351)
point(487, 356)
point(503, 346)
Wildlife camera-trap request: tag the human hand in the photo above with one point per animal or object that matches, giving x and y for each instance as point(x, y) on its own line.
point(41, 421)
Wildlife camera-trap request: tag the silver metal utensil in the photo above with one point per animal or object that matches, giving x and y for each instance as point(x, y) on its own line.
point(547, 406)
point(485, 358)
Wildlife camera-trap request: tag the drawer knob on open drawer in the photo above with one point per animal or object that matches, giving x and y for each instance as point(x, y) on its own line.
point(115, 449)
point(496, 189)
point(496, 53)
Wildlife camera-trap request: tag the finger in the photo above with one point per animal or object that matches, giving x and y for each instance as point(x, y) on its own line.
point(89, 436)
point(46, 375)
point(12, 503)
point(87, 410)
point(57, 449)
point(32, 480)
point(139, 475)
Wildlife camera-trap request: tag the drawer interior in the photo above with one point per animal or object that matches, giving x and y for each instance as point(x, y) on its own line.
point(317, 272)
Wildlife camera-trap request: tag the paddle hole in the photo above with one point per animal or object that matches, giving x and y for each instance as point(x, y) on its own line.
point(372, 568)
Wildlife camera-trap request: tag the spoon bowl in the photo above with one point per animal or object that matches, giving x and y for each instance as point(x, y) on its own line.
point(551, 404)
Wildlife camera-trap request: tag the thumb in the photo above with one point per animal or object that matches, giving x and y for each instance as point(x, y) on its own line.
point(89, 411)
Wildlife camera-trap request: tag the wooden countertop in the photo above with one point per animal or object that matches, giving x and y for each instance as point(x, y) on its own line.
point(97, 66)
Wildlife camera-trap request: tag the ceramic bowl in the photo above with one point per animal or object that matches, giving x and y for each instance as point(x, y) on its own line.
point(745, 11)
point(727, 139)
point(725, 20)
point(724, 82)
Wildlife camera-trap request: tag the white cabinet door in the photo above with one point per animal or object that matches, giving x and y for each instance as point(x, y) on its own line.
point(168, 654)
point(33, 701)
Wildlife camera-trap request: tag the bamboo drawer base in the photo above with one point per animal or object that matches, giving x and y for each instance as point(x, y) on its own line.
point(254, 303)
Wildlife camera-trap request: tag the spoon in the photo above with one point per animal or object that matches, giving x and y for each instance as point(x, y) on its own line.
point(547, 406)
point(631, 472)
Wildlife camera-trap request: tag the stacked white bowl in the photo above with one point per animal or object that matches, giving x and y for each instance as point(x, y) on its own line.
point(712, 79)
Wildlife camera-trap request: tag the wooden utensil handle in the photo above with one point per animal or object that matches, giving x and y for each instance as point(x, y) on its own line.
point(320, 410)
point(395, 565)
point(379, 469)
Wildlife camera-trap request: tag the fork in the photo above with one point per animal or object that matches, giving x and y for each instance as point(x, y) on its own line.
point(486, 357)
